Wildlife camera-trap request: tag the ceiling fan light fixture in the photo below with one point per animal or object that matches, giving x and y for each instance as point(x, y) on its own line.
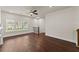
point(31, 13)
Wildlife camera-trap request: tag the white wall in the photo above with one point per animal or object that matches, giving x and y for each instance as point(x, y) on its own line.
point(0, 15)
point(15, 17)
point(63, 24)
point(40, 23)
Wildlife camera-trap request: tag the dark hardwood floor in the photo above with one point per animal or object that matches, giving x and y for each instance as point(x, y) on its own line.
point(34, 43)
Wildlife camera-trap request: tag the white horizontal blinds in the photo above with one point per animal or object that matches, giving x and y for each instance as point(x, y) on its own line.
point(16, 23)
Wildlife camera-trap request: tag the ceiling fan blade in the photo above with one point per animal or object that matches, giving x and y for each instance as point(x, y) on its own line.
point(35, 11)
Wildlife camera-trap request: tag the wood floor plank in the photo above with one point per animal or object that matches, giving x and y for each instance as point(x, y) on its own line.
point(34, 43)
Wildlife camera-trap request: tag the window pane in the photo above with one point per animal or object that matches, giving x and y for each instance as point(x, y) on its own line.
point(24, 25)
point(10, 25)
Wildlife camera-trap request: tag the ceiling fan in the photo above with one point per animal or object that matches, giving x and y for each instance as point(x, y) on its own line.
point(33, 12)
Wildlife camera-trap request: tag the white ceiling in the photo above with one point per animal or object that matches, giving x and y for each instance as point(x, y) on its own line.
point(24, 10)
point(43, 10)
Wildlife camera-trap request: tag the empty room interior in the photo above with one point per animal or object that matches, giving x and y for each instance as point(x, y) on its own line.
point(39, 28)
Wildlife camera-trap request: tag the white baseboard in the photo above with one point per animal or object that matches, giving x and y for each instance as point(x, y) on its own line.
point(16, 33)
point(61, 38)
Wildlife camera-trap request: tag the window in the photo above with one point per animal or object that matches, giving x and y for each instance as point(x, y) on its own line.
point(16, 23)
point(10, 25)
point(19, 25)
point(24, 25)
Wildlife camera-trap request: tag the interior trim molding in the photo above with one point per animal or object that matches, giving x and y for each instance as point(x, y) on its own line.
point(61, 38)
